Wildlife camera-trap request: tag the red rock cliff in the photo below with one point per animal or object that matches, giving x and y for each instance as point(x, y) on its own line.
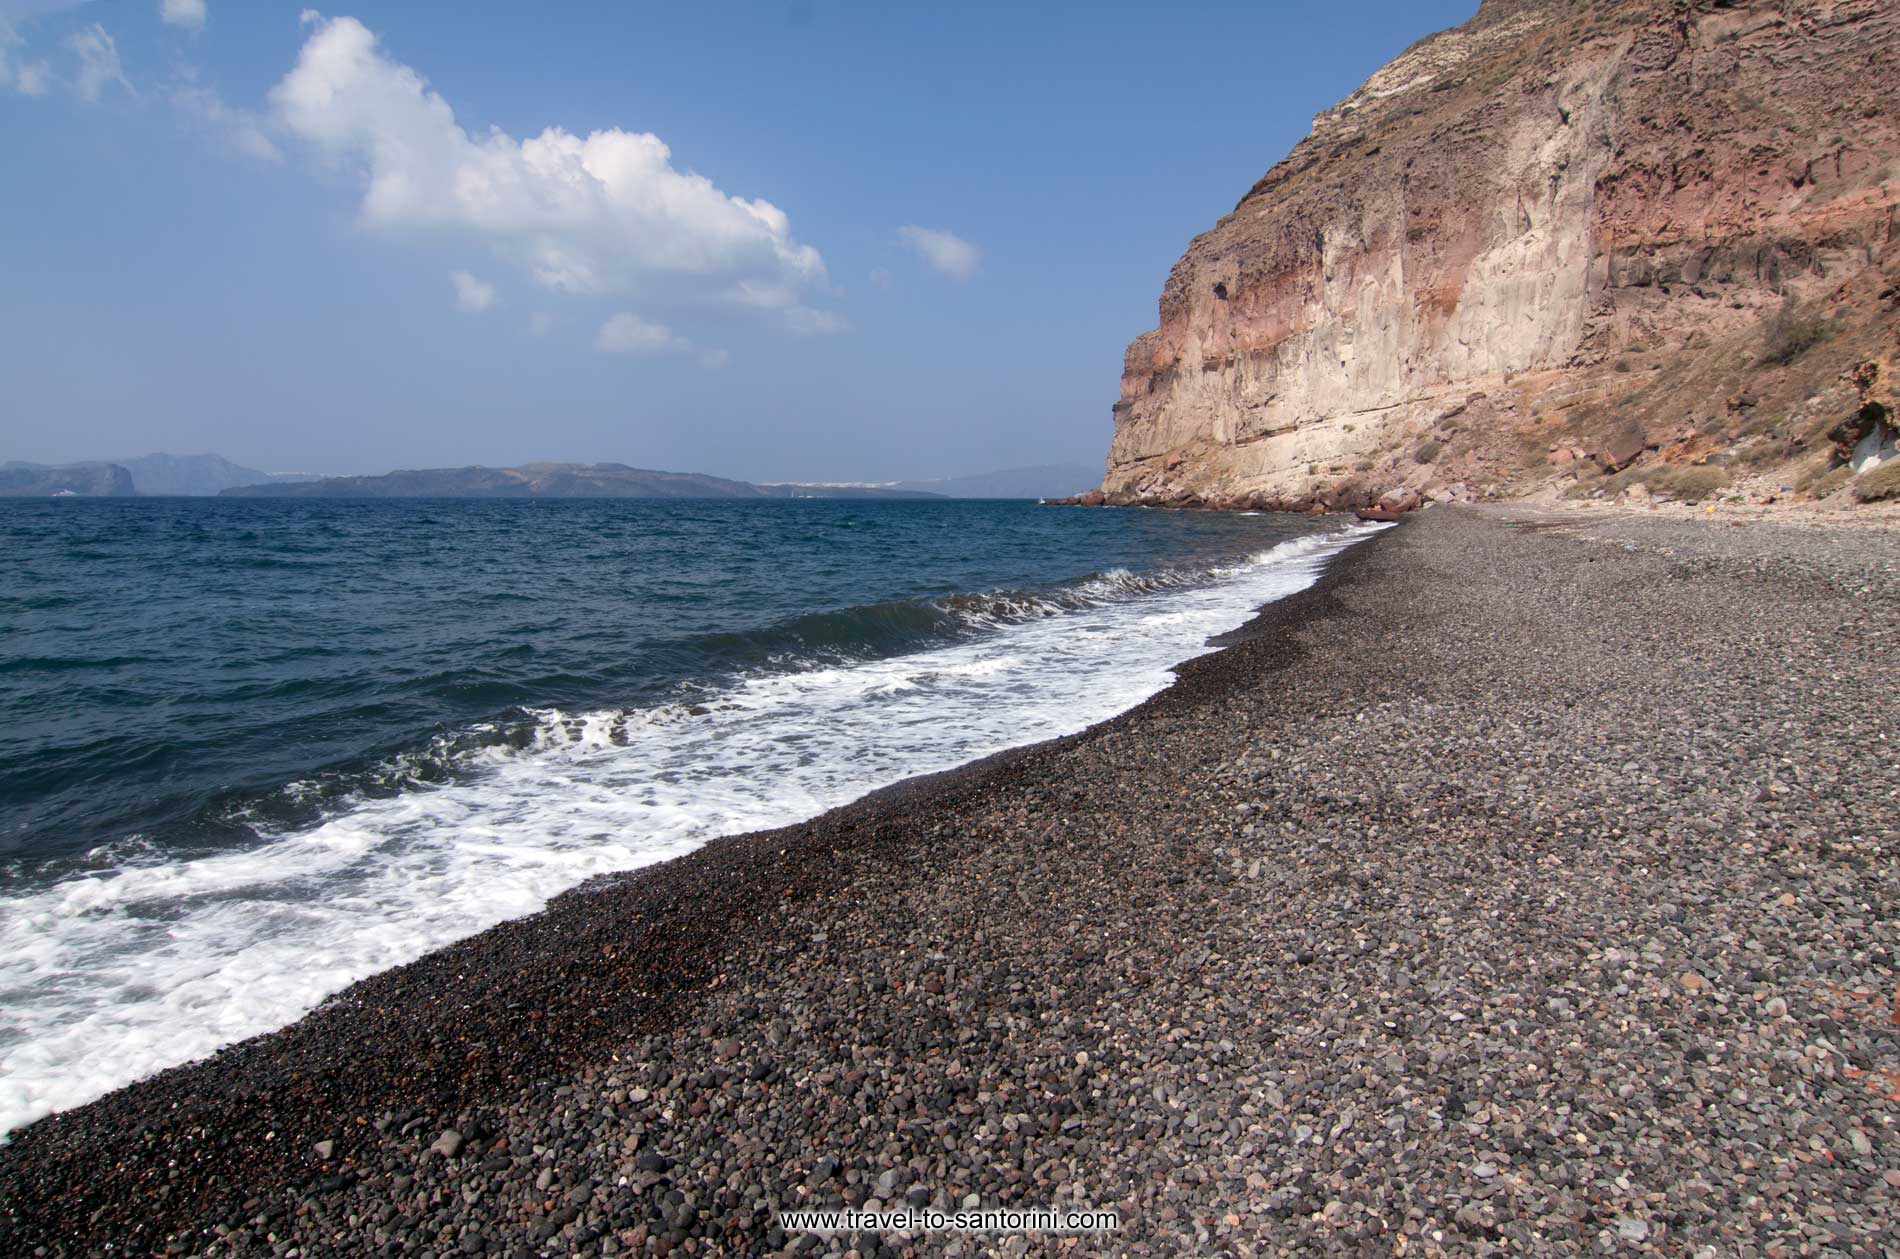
point(1563, 241)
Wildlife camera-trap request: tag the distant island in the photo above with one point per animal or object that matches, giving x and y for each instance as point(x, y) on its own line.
point(73, 480)
point(158, 475)
point(198, 474)
point(150, 475)
point(550, 480)
point(1049, 480)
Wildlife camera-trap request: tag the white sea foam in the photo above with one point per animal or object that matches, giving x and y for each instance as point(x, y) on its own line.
point(108, 977)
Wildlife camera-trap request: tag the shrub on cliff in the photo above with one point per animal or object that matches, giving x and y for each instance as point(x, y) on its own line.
point(1881, 483)
point(1688, 485)
point(1426, 452)
point(1821, 477)
point(1789, 333)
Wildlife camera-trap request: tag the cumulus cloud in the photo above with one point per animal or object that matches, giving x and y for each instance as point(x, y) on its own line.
point(472, 294)
point(189, 14)
point(99, 65)
point(944, 252)
point(595, 214)
point(627, 333)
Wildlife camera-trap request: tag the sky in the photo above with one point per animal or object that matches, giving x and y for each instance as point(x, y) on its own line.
point(791, 241)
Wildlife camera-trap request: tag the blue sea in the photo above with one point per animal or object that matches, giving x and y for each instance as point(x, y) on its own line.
point(254, 750)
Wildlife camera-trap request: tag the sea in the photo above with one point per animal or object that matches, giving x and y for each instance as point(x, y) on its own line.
point(254, 750)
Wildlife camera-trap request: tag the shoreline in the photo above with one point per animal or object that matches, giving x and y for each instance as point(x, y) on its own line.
point(1235, 913)
point(670, 901)
point(365, 859)
point(1812, 513)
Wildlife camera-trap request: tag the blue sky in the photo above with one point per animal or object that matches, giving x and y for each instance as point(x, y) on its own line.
point(870, 241)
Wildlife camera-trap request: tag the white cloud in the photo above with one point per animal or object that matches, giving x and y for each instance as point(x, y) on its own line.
point(783, 304)
point(806, 322)
point(882, 277)
point(238, 130)
point(603, 213)
point(472, 294)
point(33, 78)
point(189, 14)
point(629, 334)
point(540, 323)
point(945, 252)
point(30, 79)
point(99, 65)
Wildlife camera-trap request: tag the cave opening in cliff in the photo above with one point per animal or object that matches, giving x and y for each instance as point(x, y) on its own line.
point(1865, 439)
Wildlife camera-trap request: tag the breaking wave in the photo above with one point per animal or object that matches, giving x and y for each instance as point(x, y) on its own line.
point(143, 960)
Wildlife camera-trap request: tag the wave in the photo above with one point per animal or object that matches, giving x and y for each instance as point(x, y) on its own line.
point(65, 664)
point(110, 975)
point(712, 664)
point(880, 629)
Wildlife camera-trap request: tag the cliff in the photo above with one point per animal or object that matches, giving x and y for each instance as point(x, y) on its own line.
point(1604, 246)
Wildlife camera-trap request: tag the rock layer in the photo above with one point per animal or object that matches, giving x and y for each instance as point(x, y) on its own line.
point(1541, 244)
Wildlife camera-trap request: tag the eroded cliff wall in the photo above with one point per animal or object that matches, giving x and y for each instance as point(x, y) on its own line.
point(1550, 243)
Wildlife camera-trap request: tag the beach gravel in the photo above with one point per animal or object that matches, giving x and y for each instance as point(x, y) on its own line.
point(1528, 885)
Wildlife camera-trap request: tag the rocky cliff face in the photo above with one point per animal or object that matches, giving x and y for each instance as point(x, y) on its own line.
point(1571, 242)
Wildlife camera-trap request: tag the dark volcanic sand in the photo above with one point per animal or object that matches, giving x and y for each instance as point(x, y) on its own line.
point(1510, 890)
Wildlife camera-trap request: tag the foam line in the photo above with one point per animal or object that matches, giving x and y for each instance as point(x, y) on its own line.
point(108, 977)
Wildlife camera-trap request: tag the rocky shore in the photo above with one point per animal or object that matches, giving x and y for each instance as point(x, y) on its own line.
point(1527, 885)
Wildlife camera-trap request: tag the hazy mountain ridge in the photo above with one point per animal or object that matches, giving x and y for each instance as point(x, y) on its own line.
point(153, 475)
point(550, 480)
point(1048, 480)
point(162, 473)
point(211, 474)
point(529, 480)
point(83, 480)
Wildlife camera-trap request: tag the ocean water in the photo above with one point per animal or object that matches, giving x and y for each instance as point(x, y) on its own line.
point(252, 751)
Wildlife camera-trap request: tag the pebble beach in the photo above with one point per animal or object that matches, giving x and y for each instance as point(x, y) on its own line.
point(1528, 885)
